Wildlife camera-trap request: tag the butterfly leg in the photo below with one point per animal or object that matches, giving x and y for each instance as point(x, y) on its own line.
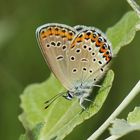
point(82, 99)
point(86, 99)
point(97, 86)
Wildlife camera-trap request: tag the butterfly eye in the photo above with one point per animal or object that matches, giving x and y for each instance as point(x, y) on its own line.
point(69, 96)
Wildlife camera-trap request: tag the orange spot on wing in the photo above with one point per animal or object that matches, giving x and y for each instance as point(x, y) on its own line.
point(86, 36)
point(56, 31)
point(53, 31)
point(102, 50)
point(61, 33)
point(93, 39)
point(105, 55)
point(77, 40)
point(47, 32)
point(42, 34)
point(108, 58)
point(68, 35)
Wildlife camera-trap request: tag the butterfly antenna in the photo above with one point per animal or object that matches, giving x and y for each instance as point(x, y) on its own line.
point(50, 101)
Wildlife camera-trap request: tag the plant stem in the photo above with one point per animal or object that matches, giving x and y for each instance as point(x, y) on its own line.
point(118, 110)
point(135, 6)
point(112, 138)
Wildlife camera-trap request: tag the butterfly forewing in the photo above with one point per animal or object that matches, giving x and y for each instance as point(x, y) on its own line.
point(55, 41)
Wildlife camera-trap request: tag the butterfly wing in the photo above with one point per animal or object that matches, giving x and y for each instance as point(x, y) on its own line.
point(79, 28)
point(54, 41)
point(89, 56)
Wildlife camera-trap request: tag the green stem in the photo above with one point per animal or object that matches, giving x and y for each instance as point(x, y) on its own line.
point(135, 6)
point(119, 109)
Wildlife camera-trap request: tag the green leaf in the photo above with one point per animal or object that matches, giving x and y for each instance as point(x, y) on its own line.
point(63, 115)
point(23, 137)
point(32, 134)
point(124, 31)
point(134, 116)
point(122, 127)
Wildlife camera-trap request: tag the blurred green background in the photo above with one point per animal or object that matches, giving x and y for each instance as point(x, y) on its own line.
point(21, 62)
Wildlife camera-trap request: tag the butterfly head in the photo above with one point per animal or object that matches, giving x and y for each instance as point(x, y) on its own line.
point(69, 95)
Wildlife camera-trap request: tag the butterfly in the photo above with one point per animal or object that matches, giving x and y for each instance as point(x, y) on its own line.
point(78, 56)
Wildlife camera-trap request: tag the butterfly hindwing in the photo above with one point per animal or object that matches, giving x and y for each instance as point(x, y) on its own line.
point(90, 52)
